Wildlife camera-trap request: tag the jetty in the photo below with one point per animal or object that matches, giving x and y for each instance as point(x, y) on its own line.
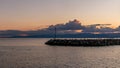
point(84, 42)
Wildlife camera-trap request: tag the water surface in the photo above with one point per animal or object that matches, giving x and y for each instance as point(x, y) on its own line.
point(33, 53)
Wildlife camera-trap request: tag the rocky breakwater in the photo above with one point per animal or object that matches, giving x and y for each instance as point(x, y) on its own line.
point(83, 42)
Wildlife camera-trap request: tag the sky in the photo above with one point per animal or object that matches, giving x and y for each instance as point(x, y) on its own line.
point(35, 14)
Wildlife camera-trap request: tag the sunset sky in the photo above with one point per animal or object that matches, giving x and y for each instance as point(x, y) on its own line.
point(34, 14)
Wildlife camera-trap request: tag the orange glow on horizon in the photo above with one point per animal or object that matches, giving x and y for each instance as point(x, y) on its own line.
point(36, 26)
point(78, 31)
point(23, 35)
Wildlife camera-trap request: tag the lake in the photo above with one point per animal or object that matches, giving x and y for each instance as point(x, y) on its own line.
point(33, 53)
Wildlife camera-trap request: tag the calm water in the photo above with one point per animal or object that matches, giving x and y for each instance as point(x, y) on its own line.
point(33, 53)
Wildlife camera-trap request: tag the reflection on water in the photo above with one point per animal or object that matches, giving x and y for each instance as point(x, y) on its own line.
point(33, 53)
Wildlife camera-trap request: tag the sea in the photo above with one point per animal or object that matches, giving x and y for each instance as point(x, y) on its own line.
point(33, 53)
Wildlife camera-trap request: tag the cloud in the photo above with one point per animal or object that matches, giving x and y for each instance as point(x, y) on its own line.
point(118, 28)
point(71, 27)
point(101, 28)
point(75, 26)
point(9, 33)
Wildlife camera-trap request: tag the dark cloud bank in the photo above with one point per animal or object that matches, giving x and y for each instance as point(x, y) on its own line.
point(72, 29)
